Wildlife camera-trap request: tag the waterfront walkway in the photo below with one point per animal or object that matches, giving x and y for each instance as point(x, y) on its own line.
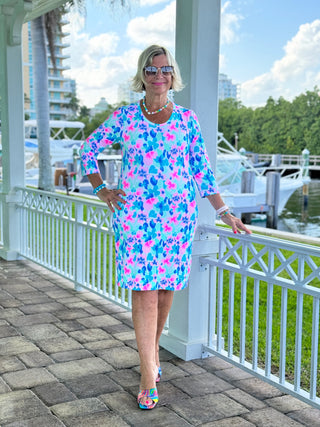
point(69, 358)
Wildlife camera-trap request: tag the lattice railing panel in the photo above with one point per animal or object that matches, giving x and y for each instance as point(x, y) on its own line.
point(265, 296)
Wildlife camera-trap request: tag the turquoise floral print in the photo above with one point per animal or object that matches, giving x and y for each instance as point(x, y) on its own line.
point(160, 163)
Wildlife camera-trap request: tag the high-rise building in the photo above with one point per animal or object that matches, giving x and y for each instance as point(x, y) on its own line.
point(227, 89)
point(60, 87)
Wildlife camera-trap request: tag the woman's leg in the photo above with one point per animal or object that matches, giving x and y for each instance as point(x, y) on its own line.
point(164, 304)
point(144, 316)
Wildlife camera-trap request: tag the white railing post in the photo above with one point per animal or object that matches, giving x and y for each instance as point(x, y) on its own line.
point(197, 22)
point(78, 247)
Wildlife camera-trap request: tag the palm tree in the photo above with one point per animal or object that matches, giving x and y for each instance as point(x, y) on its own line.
point(42, 28)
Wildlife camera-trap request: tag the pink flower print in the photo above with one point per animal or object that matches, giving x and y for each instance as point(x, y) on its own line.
point(199, 175)
point(174, 219)
point(139, 192)
point(146, 287)
point(129, 217)
point(167, 228)
point(127, 270)
point(131, 174)
point(138, 145)
point(184, 245)
point(151, 201)
point(174, 174)
point(171, 185)
point(193, 204)
point(151, 154)
point(166, 261)
point(149, 243)
point(131, 127)
point(169, 136)
point(173, 127)
point(125, 184)
point(161, 270)
point(138, 234)
point(126, 137)
point(130, 261)
point(126, 227)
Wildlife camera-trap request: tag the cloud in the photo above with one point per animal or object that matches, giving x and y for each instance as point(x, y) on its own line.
point(230, 24)
point(296, 71)
point(95, 64)
point(158, 28)
point(151, 2)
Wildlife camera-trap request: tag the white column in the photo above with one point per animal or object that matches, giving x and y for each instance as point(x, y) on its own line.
point(197, 53)
point(12, 122)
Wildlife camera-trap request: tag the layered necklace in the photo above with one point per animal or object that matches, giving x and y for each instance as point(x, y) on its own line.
point(154, 112)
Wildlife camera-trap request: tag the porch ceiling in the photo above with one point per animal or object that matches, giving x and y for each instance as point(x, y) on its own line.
point(40, 7)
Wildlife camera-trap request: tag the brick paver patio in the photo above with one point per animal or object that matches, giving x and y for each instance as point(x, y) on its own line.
point(69, 358)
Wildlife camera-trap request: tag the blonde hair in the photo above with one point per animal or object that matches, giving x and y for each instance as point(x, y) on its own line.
point(145, 59)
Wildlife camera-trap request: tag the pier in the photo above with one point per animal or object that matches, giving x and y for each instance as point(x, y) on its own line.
point(281, 161)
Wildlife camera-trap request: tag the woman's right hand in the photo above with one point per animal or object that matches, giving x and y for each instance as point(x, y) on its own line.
point(112, 198)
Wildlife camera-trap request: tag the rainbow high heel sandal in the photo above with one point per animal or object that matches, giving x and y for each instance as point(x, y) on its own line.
point(151, 393)
point(159, 374)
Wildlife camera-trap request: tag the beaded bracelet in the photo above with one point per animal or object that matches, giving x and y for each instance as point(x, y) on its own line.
point(223, 214)
point(100, 187)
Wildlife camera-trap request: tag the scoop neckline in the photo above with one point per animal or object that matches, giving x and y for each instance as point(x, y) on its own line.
point(157, 124)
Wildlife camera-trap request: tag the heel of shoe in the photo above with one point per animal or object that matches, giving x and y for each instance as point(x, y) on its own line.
point(159, 374)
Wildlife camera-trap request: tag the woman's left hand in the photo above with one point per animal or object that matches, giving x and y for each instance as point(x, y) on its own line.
point(235, 223)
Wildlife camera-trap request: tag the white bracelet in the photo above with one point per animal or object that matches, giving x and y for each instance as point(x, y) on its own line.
point(222, 209)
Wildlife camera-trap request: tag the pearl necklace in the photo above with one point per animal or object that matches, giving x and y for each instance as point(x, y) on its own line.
point(154, 112)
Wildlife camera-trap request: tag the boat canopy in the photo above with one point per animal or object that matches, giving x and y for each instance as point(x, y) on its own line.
point(57, 129)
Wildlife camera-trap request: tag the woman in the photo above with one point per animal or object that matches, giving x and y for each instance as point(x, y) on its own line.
point(154, 207)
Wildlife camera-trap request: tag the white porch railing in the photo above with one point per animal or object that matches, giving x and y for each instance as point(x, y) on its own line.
point(264, 310)
point(264, 292)
point(72, 237)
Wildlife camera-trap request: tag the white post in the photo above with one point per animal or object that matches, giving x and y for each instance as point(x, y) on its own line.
point(197, 53)
point(12, 121)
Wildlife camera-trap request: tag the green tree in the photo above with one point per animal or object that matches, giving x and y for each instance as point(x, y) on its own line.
point(280, 126)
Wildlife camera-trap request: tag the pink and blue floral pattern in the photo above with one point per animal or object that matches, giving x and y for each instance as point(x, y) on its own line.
point(160, 163)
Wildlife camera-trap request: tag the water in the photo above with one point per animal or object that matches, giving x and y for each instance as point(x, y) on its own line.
point(300, 219)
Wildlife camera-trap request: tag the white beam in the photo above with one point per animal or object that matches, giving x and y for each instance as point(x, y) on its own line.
point(12, 122)
point(197, 53)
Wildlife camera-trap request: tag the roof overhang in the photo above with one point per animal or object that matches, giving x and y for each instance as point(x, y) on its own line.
point(40, 7)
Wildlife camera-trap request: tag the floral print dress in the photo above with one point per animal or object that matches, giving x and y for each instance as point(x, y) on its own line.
point(154, 230)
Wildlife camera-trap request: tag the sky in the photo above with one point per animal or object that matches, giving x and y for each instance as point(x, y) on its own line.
point(269, 47)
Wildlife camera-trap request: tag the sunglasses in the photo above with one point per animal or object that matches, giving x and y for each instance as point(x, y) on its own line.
point(151, 71)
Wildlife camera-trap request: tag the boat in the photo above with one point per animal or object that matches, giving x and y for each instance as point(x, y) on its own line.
point(62, 146)
point(232, 163)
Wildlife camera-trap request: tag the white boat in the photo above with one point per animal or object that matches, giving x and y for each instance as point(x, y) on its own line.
point(61, 145)
point(230, 166)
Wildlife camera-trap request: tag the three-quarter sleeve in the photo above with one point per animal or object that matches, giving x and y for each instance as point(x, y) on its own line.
point(199, 161)
point(106, 134)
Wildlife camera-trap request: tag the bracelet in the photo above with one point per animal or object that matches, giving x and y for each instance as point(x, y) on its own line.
point(100, 187)
point(224, 213)
point(223, 208)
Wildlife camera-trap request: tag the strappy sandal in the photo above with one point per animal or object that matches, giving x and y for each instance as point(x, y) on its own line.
point(159, 374)
point(151, 393)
